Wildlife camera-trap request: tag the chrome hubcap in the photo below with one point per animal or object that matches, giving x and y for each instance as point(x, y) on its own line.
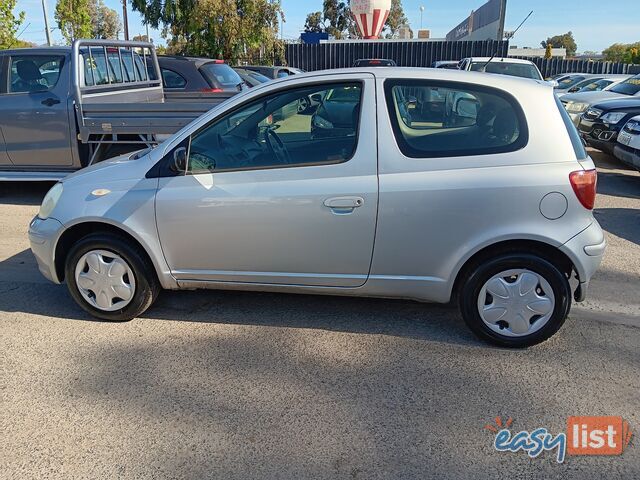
point(105, 280)
point(516, 302)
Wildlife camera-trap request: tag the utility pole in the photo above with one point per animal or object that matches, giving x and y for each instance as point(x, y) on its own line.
point(125, 20)
point(421, 12)
point(46, 22)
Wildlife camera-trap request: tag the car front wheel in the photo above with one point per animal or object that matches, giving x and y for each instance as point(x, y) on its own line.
point(110, 278)
point(515, 300)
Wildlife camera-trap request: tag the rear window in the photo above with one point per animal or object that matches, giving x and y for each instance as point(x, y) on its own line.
point(630, 86)
point(258, 76)
point(220, 75)
point(576, 141)
point(449, 119)
point(505, 68)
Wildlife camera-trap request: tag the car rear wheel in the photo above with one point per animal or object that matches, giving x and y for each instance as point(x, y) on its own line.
point(515, 300)
point(110, 278)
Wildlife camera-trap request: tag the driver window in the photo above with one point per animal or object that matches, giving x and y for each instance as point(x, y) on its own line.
point(296, 127)
point(34, 73)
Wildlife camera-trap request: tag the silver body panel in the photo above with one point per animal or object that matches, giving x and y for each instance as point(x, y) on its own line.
point(420, 220)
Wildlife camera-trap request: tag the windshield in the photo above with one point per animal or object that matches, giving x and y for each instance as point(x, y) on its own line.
point(221, 74)
point(568, 82)
point(523, 70)
point(631, 86)
point(596, 86)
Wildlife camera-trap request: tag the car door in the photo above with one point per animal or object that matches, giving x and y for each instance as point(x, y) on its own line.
point(269, 197)
point(4, 158)
point(34, 119)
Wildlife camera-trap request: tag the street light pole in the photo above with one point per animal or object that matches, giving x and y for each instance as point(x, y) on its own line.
point(421, 12)
point(125, 20)
point(46, 22)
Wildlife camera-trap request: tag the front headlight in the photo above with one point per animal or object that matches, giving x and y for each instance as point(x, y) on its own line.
point(577, 107)
point(613, 117)
point(50, 201)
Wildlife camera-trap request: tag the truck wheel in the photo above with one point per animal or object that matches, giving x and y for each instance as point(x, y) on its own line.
point(515, 300)
point(109, 278)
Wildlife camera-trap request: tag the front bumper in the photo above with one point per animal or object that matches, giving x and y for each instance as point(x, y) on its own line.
point(627, 155)
point(586, 250)
point(43, 235)
point(600, 135)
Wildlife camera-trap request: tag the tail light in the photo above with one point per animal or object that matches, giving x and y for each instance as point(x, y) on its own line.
point(584, 183)
point(211, 90)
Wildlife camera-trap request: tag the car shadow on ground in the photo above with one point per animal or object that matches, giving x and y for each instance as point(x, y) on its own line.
point(23, 193)
point(621, 222)
point(26, 290)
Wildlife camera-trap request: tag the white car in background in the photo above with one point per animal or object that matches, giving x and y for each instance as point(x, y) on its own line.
point(627, 149)
point(514, 67)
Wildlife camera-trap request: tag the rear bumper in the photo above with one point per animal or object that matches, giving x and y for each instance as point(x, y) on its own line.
point(586, 251)
point(627, 155)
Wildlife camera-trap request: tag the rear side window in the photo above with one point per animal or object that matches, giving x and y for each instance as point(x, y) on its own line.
point(220, 75)
point(446, 119)
point(578, 146)
point(172, 79)
point(34, 73)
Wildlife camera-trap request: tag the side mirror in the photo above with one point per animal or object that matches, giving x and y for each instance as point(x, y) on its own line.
point(412, 102)
point(553, 83)
point(316, 97)
point(179, 160)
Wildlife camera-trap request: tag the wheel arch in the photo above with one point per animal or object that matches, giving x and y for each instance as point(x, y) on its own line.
point(81, 229)
point(545, 250)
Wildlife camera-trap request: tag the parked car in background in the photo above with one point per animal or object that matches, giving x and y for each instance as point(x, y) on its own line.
point(578, 103)
point(571, 80)
point(602, 122)
point(63, 108)
point(605, 83)
point(273, 72)
point(494, 213)
point(514, 67)
point(449, 64)
point(193, 74)
point(627, 149)
point(375, 62)
point(251, 78)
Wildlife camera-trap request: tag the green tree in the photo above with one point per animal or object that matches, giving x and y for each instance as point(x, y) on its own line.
point(623, 52)
point(314, 23)
point(9, 23)
point(548, 53)
point(565, 40)
point(74, 19)
point(395, 20)
point(228, 29)
point(105, 22)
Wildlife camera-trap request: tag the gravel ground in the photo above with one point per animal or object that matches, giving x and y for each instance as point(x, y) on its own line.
point(246, 385)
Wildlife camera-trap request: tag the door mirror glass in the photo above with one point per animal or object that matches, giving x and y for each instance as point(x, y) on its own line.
point(316, 98)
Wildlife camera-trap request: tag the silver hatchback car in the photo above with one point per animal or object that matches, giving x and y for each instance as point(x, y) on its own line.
point(433, 185)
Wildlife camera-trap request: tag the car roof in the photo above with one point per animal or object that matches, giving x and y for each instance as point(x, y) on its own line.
point(501, 59)
point(37, 50)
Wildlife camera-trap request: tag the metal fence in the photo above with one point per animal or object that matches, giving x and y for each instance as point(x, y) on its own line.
point(553, 66)
point(406, 54)
point(423, 53)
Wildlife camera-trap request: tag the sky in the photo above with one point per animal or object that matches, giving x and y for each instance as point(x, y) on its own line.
point(594, 23)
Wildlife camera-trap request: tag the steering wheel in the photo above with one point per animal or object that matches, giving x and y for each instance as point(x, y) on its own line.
point(276, 146)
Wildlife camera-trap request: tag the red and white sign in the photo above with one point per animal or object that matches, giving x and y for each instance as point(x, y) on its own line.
point(370, 16)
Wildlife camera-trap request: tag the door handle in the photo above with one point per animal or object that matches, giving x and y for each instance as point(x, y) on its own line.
point(50, 102)
point(343, 205)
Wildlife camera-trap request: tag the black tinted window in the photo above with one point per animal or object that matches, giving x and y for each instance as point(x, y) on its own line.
point(442, 119)
point(630, 86)
point(505, 68)
point(280, 131)
point(172, 79)
point(220, 75)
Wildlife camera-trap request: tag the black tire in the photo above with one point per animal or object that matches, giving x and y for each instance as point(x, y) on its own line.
point(479, 274)
point(147, 286)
